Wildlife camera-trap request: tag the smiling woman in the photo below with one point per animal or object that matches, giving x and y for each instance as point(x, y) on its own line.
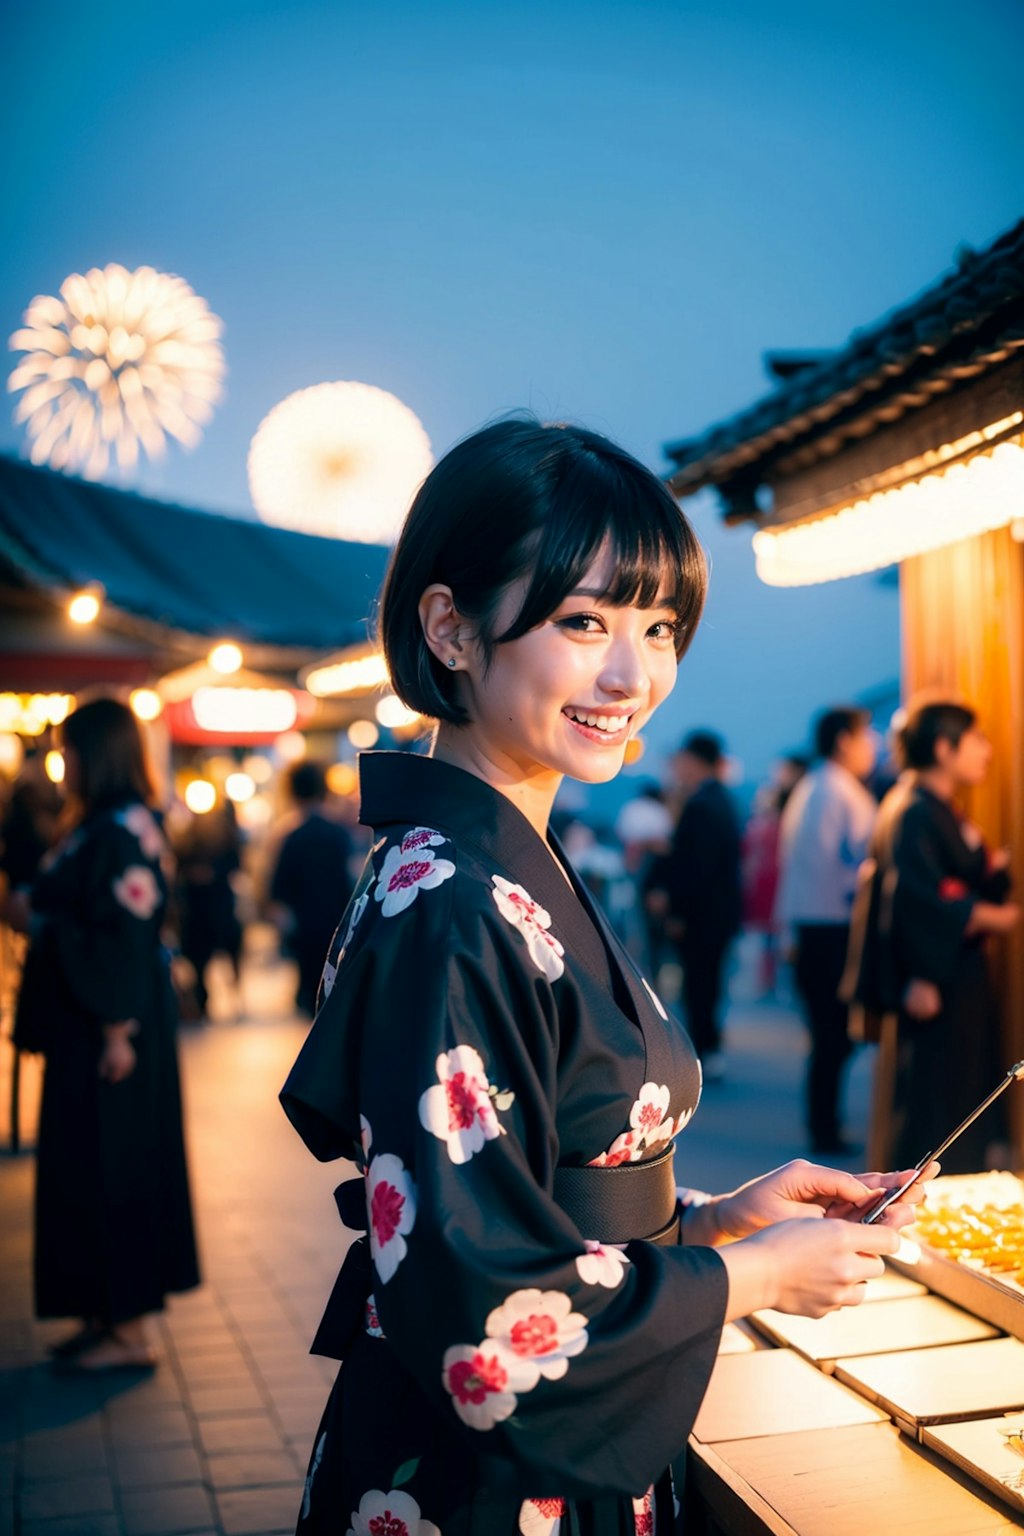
point(529, 1324)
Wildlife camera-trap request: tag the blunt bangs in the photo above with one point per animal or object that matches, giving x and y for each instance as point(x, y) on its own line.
point(611, 500)
point(524, 502)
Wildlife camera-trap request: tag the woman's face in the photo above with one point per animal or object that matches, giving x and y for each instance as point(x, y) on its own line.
point(969, 760)
point(566, 697)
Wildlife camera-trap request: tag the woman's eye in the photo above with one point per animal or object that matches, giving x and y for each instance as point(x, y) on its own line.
point(583, 623)
point(666, 629)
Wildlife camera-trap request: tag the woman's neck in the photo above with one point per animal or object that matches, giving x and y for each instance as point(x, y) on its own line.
point(533, 795)
point(938, 781)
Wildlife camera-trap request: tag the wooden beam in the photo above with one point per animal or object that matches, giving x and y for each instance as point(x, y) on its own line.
point(889, 454)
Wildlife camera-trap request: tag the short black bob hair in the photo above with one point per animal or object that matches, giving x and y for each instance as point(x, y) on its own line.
point(840, 720)
point(521, 499)
point(928, 722)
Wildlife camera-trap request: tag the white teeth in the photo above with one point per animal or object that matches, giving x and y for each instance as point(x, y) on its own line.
point(609, 723)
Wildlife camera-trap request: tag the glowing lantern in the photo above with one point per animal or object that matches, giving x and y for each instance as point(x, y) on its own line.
point(200, 796)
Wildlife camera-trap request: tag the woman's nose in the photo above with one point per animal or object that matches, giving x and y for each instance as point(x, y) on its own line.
point(625, 671)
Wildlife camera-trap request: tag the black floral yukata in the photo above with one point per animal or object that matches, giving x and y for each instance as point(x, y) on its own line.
point(480, 1025)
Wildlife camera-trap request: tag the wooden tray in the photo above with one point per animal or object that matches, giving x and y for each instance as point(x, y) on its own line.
point(916, 1322)
point(998, 1302)
point(775, 1391)
point(841, 1482)
point(979, 1448)
point(997, 1298)
point(934, 1386)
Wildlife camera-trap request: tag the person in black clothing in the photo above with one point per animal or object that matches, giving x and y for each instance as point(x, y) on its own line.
point(702, 878)
point(113, 1219)
point(312, 881)
point(209, 858)
point(931, 895)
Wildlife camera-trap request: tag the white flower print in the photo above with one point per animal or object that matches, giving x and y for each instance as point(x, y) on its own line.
point(649, 1115)
point(421, 837)
point(327, 979)
point(389, 1514)
point(541, 1517)
point(142, 824)
point(332, 967)
point(483, 1382)
point(651, 1124)
point(459, 1109)
point(373, 1327)
point(520, 909)
point(624, 1149)
point(137, 889)
point(307, 1492)
point(365, 1139)
point(391, 1208)
point(602, 1264)
point(655, 999)
point(683, 1119)
point(404, 873)
point(643, 1514)
point(538, 1328)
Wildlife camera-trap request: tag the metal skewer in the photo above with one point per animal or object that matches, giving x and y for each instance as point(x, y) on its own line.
point(1015, 1074)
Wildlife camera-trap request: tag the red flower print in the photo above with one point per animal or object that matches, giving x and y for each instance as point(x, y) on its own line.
point(471, 1380)
point(952, 889)
point(421, 837)
point(404, 873)
point(386, 1205)
point(534, 1335)
point(460, 1110)
point(463, 1102)
point(391, 1206)
point(389, 1514)
point(541, 1517)
point(649, 1118)
point(519, 908)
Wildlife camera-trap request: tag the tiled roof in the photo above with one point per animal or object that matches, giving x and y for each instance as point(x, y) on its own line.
point(966, 324)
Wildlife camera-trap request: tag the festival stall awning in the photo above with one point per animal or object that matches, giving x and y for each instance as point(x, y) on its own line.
point(180, 571)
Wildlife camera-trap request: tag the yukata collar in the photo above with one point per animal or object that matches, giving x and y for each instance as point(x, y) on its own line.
point(401, 787)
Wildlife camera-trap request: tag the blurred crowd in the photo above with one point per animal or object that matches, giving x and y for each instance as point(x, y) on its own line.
point(865, 894)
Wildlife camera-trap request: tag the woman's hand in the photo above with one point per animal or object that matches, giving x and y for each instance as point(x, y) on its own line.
point(16, 911)
point(922, 999)
point(117, 1058)
point(900, 1214)
point(807, 1267)
point(796, 1190)
point(988, 917)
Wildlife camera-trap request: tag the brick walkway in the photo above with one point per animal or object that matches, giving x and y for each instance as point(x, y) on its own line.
point(215, 1442)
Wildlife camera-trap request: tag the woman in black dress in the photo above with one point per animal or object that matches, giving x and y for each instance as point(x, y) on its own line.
point(934, 893)
point(529, 1324)
point(113, 1220)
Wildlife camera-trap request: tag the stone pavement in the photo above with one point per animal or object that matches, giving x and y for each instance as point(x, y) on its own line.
point(215, 1442)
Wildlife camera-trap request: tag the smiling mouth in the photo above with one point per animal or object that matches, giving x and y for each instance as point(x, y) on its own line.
point(601, 723)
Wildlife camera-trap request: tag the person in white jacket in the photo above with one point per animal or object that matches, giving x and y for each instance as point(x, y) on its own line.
point(824, 836)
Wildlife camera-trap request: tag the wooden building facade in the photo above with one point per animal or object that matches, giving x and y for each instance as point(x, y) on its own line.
point(906, 446)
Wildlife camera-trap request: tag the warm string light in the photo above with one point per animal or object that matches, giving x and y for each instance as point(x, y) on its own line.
point(360, 675)
point(117, 361)
point(968, 498)
point(343, 460)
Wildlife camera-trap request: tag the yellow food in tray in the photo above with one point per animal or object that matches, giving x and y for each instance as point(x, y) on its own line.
point(978, 1220)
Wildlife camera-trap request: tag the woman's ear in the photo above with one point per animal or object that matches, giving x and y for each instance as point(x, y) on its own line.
point(442, 625)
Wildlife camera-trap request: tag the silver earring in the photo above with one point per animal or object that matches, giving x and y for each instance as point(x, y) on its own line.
point(451, 661)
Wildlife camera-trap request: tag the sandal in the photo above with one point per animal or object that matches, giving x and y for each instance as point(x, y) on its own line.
point(89, 1333)
point(108, 1353)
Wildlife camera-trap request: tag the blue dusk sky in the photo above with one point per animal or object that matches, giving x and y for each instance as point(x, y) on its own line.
point(603, 211)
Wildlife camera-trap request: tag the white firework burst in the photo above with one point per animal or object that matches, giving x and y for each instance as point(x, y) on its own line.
point(118, 359)
point(343, 460)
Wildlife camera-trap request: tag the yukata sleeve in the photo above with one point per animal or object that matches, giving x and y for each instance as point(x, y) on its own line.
point(931, 908)
point(570, 1368)
point(101, 903)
